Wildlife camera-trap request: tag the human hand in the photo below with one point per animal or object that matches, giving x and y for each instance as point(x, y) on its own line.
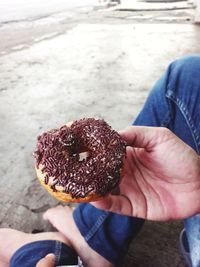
point(48, 261)
point(161, 179)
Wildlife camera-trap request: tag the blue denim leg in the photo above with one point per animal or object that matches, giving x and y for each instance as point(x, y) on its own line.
point(192, 226)
point(109, 234)
point(186, 97)
point(176, 99)
point(174, 102)
point(28, 255)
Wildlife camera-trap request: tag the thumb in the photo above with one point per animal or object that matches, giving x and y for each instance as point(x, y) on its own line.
point(143, 136)
point(48, 261)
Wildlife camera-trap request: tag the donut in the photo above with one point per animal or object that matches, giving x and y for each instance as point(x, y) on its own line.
point(80, 162)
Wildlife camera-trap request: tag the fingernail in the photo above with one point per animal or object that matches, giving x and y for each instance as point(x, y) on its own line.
point(50, 256)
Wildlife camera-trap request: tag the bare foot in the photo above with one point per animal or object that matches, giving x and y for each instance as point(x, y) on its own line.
point(13, 240)
point(61, 218)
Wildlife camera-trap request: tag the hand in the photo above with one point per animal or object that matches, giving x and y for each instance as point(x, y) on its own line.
point(48, 261)
point(161, 179)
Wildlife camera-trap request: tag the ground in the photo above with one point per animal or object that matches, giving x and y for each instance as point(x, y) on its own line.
point(99, 63)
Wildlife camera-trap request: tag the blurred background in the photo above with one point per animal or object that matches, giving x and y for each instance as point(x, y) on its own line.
point(64, 60)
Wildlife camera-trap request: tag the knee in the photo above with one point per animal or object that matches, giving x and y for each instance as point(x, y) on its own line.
point(187, 67)
point(184, 76)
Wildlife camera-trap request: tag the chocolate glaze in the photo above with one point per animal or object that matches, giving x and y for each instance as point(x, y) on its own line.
point(58, 153)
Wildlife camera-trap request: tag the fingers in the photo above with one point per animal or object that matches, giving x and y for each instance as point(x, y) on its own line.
point(118, 204)
point(144, 137)
point(48, 261)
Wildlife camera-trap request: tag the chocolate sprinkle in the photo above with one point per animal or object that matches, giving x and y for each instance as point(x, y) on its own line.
point(58, 153)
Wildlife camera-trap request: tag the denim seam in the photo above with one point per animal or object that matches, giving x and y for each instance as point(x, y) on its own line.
point(96, 226)
point(187, 117)
point(58, 251)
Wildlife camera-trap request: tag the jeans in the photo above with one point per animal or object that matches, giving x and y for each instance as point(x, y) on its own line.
point(30, 254)
point(174, 102)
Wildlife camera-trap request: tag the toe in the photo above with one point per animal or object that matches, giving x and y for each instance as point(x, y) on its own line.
point(59, 210)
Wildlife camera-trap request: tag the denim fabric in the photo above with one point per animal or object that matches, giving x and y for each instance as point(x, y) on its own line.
point(30, 254)
point(192, 226)
point(107, 233)
point(174, 102)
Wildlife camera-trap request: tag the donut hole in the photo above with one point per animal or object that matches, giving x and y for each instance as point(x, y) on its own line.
point(83, 156)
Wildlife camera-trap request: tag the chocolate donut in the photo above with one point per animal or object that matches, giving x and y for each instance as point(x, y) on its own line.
point(70, 177)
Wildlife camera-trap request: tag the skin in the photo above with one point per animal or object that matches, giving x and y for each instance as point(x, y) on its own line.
point(13, 240)
point(161, 177)
point(48, 261)
point(161, 182)
point(62, 219)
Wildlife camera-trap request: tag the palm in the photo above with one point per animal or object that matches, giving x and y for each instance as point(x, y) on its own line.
point(160, 181)
point(152, 190)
